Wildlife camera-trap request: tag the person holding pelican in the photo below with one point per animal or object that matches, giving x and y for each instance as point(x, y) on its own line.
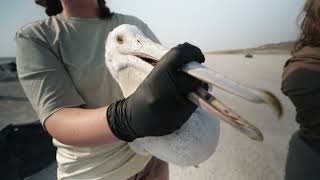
point(60, 66)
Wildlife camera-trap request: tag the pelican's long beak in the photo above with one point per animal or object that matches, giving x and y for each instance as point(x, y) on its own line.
point(151, 52)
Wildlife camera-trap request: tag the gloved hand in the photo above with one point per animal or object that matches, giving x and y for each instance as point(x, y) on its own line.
point(159, 106)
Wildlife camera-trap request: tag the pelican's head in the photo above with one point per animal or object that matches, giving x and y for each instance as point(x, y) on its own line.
point(130, 56)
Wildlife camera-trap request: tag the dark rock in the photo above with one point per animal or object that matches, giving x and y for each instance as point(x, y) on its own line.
point(8, 71)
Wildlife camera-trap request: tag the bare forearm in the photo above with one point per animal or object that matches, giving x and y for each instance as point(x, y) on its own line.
point(80, 127)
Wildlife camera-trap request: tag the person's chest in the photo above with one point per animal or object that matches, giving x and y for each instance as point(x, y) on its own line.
point(82, 52)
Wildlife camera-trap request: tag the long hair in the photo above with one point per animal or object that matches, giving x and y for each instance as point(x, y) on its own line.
point(54, 7)
point(310, 26)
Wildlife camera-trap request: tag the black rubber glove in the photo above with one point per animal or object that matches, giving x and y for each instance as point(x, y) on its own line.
point(159, 106)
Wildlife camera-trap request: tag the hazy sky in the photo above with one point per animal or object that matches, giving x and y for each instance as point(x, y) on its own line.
point(210, 24)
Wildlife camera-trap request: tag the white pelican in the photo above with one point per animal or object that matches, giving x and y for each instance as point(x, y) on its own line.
point(130, 56)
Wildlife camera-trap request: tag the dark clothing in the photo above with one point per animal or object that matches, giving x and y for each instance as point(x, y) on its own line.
point(301, 83)
point(24, 150)
point(302, 162)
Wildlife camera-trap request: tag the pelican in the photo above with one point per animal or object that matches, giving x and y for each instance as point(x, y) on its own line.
point(130, 57)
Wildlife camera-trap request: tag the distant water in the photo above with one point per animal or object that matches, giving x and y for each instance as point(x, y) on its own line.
point(237, 157)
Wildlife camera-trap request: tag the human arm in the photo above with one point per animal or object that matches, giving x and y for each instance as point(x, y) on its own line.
point(54, 97)
point(80, 127)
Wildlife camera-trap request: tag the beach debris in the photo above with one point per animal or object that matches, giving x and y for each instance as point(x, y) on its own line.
point(248, 55)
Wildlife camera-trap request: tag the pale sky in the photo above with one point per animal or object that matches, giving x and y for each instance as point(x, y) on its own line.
point(209, 24)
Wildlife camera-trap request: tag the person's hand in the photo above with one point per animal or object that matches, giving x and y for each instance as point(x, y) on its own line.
point(159, 106)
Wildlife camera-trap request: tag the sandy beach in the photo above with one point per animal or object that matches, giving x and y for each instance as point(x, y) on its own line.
point(237, 157)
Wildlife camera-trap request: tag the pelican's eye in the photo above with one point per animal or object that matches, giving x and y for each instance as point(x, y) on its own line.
point(120, 39)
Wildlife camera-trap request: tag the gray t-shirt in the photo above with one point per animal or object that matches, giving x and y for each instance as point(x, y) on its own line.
point(61, 63)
